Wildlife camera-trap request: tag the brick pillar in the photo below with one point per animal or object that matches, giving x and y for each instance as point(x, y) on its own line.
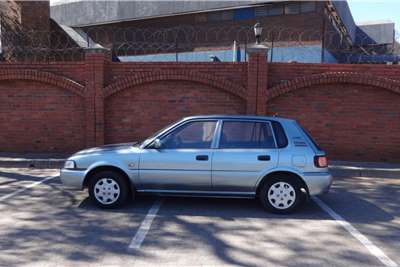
point(257, 80)
point(96, 60)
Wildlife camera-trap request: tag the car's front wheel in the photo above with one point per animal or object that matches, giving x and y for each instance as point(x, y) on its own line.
point(108, 189)
point(281, 194)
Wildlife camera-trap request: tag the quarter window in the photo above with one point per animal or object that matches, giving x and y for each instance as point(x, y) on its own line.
point(280, 135)
point(246, 134)
point(198, 134)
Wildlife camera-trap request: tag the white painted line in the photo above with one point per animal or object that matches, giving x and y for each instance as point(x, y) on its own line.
point(374, 250)
point(26, 188)
point(138, 239)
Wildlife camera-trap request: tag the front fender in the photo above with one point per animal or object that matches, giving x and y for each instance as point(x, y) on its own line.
point(131, 172)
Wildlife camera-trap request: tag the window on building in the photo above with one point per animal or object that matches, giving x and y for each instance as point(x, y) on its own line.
point(261, 11)
point(220, 16)
point(243, 14)
point(200, 18)
point(307, 7)
point(275, 10)
point(214, 16)
point(292, 8)
point(227, 15)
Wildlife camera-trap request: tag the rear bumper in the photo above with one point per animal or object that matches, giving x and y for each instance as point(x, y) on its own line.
point(73, 178)
point(318, 182)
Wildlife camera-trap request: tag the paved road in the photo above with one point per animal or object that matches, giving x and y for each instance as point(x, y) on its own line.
point(42, 224)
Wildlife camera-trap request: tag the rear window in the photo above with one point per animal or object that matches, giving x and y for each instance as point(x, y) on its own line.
point(310, 138)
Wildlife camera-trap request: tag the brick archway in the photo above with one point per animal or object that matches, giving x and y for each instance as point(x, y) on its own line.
point(333, 78)
point(44, 77)
point(353, 116)
point(206, 79)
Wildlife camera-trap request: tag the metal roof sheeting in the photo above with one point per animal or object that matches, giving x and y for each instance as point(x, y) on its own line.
point(83, 13)
point(375, 33)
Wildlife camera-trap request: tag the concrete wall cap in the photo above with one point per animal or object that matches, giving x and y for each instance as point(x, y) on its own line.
point(257, 48)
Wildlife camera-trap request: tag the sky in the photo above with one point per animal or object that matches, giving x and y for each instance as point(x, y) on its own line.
point(367, 10)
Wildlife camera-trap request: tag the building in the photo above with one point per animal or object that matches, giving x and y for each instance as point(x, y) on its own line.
point(302, 31)
point(29, 34)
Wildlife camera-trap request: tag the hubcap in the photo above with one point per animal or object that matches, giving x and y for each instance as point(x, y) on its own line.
point(106, 191)
point(281, 195)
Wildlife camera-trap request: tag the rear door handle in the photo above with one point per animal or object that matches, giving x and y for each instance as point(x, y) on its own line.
point(264, 157)
point(202, 157)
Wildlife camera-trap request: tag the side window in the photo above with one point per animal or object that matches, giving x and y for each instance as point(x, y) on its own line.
point(198, 134)
point(246, 134)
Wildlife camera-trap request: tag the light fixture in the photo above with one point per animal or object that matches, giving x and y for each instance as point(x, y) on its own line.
point(257, 32)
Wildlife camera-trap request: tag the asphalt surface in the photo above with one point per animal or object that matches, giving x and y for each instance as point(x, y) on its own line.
point(43, 224)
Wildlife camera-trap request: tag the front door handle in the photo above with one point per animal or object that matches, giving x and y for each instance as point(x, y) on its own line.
point(202, 157)
point(264, 157)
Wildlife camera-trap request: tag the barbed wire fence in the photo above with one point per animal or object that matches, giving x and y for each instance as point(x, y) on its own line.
point(193, 43)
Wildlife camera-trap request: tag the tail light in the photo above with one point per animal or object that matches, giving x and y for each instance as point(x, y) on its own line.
point(321, 161)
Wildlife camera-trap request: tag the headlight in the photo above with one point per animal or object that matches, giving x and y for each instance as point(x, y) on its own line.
point(69, 164)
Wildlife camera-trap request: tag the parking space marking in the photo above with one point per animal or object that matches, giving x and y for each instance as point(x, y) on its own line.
point(140, 235)
point(374, 250)
point(26, 188)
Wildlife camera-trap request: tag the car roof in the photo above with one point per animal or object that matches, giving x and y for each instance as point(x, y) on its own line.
point(238, 117)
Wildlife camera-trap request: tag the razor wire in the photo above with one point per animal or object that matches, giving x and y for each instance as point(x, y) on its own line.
point(171, 44)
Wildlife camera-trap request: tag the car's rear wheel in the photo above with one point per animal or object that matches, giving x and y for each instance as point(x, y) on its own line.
point(108, 189)
point(281, 194)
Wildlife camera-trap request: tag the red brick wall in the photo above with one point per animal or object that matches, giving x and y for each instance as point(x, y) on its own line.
point(350, 122)
point(352, 110)
point(233, 72)
point(40, 117)
point(134, 113)
point(282, 72)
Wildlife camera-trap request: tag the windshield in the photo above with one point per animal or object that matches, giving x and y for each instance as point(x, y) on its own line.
point(154, 135)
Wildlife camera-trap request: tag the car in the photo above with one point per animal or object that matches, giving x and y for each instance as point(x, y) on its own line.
point(270, 158)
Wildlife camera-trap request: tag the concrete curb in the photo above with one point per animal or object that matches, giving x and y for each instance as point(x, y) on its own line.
point(32, 160)
point(364, 169)
point(346, 171)
point(32, 163)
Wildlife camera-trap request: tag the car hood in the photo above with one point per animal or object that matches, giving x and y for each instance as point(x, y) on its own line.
point(106, 148)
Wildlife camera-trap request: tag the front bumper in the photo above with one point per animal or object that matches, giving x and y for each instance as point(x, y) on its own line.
point(318, 182)
point(73, 178)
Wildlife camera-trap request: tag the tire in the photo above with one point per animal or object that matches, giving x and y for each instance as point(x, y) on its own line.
point(108, 189)
point(281, 194)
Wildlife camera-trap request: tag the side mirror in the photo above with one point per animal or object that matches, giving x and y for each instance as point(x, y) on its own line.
point(157, 143)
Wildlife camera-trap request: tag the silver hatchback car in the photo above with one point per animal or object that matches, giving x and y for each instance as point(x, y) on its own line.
point(269, 158)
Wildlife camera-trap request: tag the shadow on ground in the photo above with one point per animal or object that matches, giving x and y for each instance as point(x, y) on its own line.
point(52, 223)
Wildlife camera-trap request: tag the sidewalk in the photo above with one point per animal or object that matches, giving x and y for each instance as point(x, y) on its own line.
point(364, 169)
point(337, 168)
point(32, 160)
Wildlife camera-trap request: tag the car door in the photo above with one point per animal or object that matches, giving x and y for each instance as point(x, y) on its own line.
point(183, 161)
point(245, 149)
